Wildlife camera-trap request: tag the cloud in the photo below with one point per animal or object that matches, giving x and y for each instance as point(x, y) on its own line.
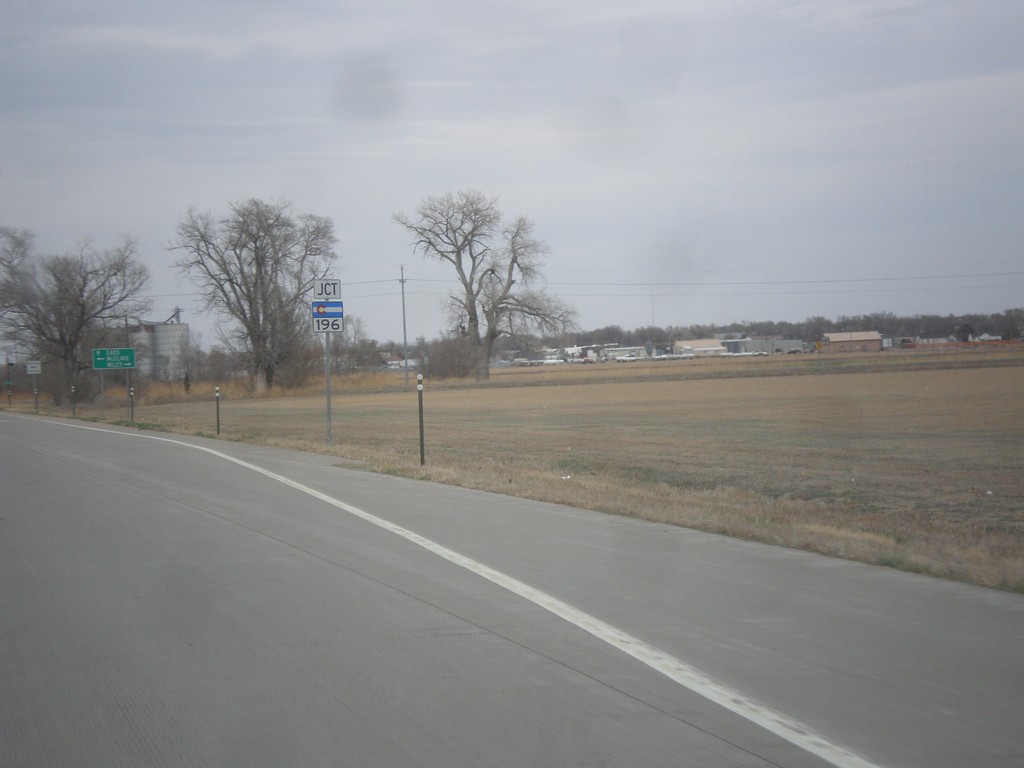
point(655, 135)
point(368, 87)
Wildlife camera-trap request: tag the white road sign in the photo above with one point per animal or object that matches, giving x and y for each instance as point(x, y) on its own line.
point(327, 289)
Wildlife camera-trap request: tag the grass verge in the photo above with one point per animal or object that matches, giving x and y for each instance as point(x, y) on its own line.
point(910, 462)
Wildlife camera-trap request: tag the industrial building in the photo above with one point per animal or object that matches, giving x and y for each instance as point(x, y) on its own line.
point(857, 341)
point(162, 349)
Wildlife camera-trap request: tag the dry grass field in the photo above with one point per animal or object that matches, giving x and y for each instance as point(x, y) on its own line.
point(910, 461)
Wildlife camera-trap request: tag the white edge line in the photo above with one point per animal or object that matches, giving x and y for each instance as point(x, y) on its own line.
point(689, 677)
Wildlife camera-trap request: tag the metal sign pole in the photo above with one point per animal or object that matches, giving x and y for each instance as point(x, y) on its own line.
point(106, 359)
point(327, 374)
point(328, 313)
point(419, 390)
point(34, 368)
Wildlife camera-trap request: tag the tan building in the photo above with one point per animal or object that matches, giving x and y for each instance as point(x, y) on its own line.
point(855, 341)
point(699, 347)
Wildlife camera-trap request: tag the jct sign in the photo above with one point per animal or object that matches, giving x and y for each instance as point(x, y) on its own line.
point(327, 290)
point(328, 309)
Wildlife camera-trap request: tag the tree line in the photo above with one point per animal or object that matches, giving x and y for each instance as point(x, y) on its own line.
point(255, 265)
point(60, 307)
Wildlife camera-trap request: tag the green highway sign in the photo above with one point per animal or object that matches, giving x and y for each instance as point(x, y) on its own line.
point(106, 359)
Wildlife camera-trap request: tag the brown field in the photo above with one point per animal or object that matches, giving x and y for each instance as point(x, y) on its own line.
point(910, 461)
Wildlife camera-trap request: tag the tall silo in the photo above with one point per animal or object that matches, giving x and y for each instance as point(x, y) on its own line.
point(161, 350)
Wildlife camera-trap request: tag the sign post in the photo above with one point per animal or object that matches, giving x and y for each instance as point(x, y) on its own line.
point(113, 359)
point(33, 368)
point(419, 391)
point(328, 315)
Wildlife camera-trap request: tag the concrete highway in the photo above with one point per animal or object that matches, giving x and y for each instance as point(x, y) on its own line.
point(174, 601)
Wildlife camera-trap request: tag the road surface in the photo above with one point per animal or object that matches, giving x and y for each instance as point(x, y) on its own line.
point(179, 601)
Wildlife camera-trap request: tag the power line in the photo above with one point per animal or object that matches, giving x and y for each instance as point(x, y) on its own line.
point(723, 283)
point(719, 284)
point(693, 284)
point(775, 293)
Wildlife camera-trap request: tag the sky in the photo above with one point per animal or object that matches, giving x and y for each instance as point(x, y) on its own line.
point(686, 162)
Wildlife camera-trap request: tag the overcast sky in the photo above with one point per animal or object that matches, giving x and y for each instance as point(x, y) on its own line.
point(686, 161)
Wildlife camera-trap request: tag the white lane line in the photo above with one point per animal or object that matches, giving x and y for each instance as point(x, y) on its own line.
point(689, 677)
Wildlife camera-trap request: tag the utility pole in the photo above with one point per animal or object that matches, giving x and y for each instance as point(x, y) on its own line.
point(405, 340)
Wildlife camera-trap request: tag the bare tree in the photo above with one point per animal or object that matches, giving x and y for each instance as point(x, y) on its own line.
point(15, 251)
point(452, 357)
point(15, 247)
point(498, 266)
point(352, 349)
point(62, 306)
point(254, 265)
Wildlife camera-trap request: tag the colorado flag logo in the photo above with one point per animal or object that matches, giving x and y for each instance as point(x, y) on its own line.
point(328, 309)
